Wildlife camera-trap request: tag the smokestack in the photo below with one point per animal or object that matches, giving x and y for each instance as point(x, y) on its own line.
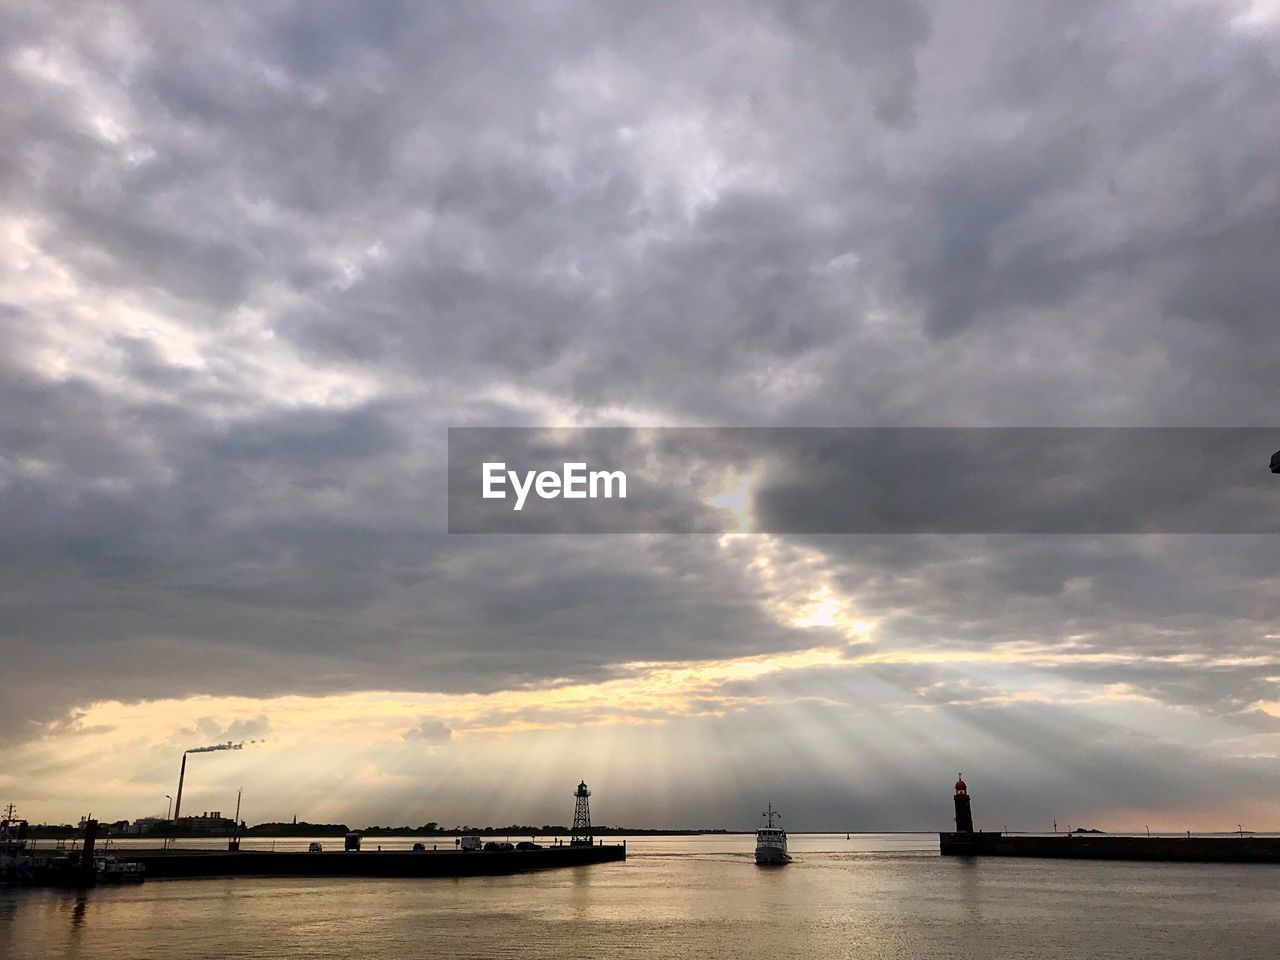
point(177, 803)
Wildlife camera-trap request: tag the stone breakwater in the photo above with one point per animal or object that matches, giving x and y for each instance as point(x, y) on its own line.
point(1095, 847)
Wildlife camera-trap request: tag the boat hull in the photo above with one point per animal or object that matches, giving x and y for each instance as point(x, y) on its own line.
point(770, 856)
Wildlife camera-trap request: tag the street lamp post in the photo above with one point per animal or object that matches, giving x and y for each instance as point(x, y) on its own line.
point(170, 809)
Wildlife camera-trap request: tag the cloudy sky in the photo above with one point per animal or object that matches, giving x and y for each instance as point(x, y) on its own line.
point(256, 258)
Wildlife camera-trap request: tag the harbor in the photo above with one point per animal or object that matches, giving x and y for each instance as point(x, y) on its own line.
point(965, 841)
point(684, 896)
point(87, 864)
point(1093, 847)
point(184, 864)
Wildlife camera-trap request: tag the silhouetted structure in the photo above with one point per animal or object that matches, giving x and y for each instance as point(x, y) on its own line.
point(175, 864)
point(964, 815)
point(182, 773)
point(1091, 845)
point(581, 817)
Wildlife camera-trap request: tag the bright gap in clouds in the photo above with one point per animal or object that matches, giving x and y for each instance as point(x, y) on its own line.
point(840, 732)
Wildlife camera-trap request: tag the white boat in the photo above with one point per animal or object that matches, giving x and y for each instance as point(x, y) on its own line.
point(111, 870)
point(771, 841)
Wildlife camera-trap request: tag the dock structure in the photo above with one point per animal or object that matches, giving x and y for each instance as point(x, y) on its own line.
point(21, 864)
point(1104, 847)
point(179, 864)
point(964, 841)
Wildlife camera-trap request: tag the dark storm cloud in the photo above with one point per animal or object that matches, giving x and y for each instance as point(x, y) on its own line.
point(875, 41)
point(430, 731)
point(259, 257)
point(877, 480)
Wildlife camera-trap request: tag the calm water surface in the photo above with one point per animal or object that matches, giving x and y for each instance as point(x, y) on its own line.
point(869, 897)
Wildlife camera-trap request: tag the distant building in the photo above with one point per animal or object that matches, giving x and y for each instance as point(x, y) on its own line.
point(143, 825)
point(206, 823)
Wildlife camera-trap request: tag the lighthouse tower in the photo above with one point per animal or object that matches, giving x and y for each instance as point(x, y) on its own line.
point(581, 817)
point(964, 816)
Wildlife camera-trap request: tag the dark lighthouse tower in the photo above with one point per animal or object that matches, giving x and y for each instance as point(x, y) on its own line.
point(964, 815)
point(581, 817)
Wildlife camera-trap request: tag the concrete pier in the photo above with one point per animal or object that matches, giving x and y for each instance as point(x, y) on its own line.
point(1092, 846)
point(173, 864)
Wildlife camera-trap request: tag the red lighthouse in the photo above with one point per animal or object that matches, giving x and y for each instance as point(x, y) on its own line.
point(964, 815)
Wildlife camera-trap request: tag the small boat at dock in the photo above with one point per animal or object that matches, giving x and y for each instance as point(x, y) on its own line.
point(19, 864)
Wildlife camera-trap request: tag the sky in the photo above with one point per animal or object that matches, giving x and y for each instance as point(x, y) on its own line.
point(257, 258)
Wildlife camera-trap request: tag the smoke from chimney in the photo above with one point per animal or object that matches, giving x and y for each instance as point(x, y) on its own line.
point(222, 746)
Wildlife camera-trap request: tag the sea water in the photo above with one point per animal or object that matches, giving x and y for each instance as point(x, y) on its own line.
point(871, 896)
